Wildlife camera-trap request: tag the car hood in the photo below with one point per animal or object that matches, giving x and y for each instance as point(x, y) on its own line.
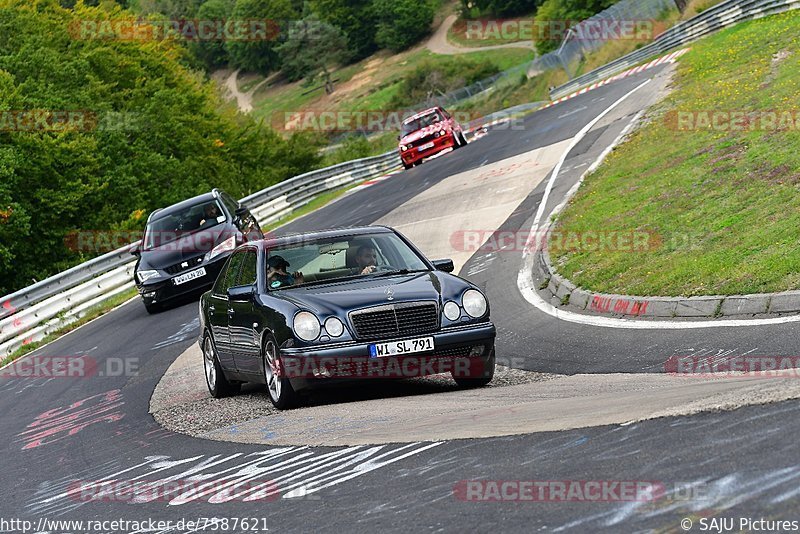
point(419, 134)
point(341, 298)
point(186, 247)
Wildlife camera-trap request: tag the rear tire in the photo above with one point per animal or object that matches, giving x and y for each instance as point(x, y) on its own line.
point(279, 388)
point(218, 384)
point(480, 379)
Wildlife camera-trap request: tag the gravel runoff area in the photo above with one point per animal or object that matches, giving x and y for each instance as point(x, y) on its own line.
point(434, 409)
point(181, 402)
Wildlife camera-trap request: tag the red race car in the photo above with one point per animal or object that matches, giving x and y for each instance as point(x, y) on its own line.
point(427, 133)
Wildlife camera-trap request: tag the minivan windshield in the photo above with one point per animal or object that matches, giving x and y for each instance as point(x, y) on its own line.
point(172, 226)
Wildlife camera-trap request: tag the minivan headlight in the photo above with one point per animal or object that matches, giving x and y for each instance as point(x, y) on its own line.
point(146, 275)
point(225, 246)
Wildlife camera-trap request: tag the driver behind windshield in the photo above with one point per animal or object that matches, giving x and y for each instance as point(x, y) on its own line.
point(210, 214)
point(278, 276)
point(366, 259)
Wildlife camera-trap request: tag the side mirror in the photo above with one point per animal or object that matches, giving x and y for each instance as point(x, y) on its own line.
point(240, 293)
point(136, 250)
point(444, 265)
point(398, 137)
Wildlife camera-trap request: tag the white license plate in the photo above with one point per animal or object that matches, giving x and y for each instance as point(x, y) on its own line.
point(406, 346)
point(191, 275)
point(425, 147)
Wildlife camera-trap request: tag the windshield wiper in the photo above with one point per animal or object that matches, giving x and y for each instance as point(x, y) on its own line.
point(397, 271)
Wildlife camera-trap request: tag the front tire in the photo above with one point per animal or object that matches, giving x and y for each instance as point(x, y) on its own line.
point(477, 379)
point(279, 388)
point(218, 384)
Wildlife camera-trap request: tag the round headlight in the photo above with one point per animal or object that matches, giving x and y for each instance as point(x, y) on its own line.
point(403, 148)
point(334, 327)
point(474, 303)
point(306, 326)
point(452, 311)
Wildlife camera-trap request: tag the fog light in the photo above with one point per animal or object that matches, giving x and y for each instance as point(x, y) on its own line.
point(476, 351)
point(150, 294)
point(452, 311)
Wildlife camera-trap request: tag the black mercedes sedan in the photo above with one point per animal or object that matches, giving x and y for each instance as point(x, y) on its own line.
point(185, 245)
point(338, 307)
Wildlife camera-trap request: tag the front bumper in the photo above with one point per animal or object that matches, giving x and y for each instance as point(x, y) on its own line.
point(164, 289)
point(459, 349)
point(412, 155)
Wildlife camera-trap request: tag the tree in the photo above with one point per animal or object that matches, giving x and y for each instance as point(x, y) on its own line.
point(259, 55)
point(169, 137)
point(311, 47)
point(212, 53)
point(402, 23)
point(356, 18)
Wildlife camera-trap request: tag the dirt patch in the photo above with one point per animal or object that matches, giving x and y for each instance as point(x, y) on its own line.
point(777, 59)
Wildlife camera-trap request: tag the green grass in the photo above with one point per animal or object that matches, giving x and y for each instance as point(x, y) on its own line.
point(724, 204)
point(92, 313)
point(376, 93)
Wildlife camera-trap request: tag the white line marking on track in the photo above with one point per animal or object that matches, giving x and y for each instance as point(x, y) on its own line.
point(525, 276)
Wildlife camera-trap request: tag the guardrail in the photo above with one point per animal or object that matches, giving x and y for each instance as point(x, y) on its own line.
point(720, 16)
point(32, 313)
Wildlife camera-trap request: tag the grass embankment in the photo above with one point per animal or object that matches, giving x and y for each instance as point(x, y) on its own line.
point(724, 201)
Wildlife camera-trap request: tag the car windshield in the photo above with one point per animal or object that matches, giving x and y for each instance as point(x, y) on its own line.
point(172, 226)
point(339, 258)
point(421, 122)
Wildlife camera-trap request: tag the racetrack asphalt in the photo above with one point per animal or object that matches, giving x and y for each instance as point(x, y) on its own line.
point(740, 463)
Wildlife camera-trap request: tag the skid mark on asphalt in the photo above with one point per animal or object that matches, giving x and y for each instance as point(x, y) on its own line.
point(65, 421)
point(186, 332)
point(281, 472)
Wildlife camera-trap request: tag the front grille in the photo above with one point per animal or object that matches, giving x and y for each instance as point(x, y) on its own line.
point(179, 267)
point(420, 142)
point(401, 319)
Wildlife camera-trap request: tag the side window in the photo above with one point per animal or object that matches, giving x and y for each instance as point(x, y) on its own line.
point(229, 276)
point(247, 276)
point(230, 204)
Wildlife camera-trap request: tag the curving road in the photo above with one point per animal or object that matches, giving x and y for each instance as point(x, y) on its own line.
point(731, 464)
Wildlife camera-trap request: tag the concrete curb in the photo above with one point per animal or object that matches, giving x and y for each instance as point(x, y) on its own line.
point(566, 294)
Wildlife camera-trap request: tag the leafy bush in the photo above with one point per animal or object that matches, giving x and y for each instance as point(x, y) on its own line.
point(566, 10)
point(402, 23)
point(431, 79)
point(158, 137)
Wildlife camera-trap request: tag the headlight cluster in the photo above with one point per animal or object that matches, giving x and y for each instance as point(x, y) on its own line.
point(146, 275)
point(474, 304)
point(441, 133)
point(307, 327)
point(225, 246)
point(403, 148)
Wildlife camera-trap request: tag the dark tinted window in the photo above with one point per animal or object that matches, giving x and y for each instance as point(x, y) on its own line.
point(247, 276)
point(229, 275)
point(229, 203)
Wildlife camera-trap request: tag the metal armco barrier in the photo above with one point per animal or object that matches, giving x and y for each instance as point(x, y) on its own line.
point(32, 313)
point(715, 18)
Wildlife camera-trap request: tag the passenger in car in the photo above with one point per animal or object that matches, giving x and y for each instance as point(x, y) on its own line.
point(278, 276)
